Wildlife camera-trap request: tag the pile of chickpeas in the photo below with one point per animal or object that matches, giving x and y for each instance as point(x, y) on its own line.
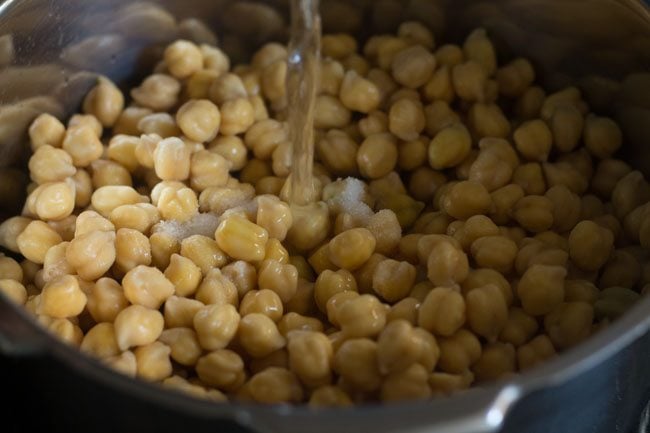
point(468, 225)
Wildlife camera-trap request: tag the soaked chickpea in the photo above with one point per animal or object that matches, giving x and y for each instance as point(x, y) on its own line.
point(464, 225)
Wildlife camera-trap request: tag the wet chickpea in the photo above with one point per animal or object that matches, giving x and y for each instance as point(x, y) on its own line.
point(590, 245)
point(442, 312)
point(541, 289)
point(534, 140)
point(466, 199)
point(449, 147)
point(536, 351)
point(464, 226)
point(377, 155)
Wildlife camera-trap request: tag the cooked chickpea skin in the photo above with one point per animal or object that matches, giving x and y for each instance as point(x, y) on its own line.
point(534, 140)
point(217, 289)
point(392, 280)
point(536, 351)
point(179, 312)
point(358, 93)
point(494, 225)
point(183, 58)
point(13, 290)
point(46, 130)
point(310, 357)
point(35, 240)
point(541, 289)
point(442, 312)
point(83, 145)
point(487, 120)
point(158, 92)
point(466, 199)
point(259, 335)
point(590, 245)
point(406, 119)
point(49, 164)
point(137, 326)
point(223, 369)
point(534, 213)
point(459, 352)
point(469, 80)
point(216, 325)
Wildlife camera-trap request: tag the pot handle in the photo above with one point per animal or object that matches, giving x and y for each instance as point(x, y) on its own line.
point(19, 336)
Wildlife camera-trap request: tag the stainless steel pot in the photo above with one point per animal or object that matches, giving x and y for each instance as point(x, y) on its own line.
point(50, 52)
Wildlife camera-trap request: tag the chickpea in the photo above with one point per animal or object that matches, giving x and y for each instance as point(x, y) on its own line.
point(153, 361)
point(409, 384)
point(602, 136)
point(539, 349)
point(487, 312)
point(259, 335)
point(466, 199)
point(446, 384)
point(449, 147)
point(569, 323)
point(356, 362)
point(567, 125)
point(132, 249)
point(362, 316)
point(137, 326)
point(83, 145)
point(469, 80)
point(105, 300)
point(101, 341)
point(199, 120)
point(49, 164)
point(162, 248)
point(412, 67)
point(497, 360)
point(183, 58)
point(541, 289)
point(406, 119)
point(590, 245)
point(223, 369)
point(459, 352)
point(104, 101)
point(310, 357)
point(442, 312)
point(534, 140)
point(310, 227)
point(158, 92)
point(216, 325)
point(515, 77)
point(534, 213)
point(439, 87)
point(629, 193)
point(329, 395)
point(613, 302)
point(351, 249)
point(184, 274)
point(217, 289)
point(179, 312)
point(438, 116)
point(35, 240)
point(358, 93)
point(487, 120)
point(392, 280)
point(608, 173)
point(446, 264)
point(46, 130)
point(275, 385)
point(519, 328)
point(232, 149)
point(563, 173)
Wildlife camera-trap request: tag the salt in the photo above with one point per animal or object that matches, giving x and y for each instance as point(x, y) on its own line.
point(202, 224)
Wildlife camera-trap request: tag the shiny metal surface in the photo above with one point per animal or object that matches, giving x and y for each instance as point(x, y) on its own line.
point(51, 51)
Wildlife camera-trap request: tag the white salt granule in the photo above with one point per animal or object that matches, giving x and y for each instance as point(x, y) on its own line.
point(202, 224)
point(350, 200)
